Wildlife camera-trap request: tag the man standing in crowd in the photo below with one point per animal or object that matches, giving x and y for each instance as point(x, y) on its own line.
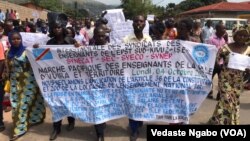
point(2, 16)
point(207, 32)
point(17, 15)
point(138, 36)
point(7, 14)
point(78, 36)
point(88, 30)
point(9, 27)
point(12, 15)
point(100, 37)
point(156, 29)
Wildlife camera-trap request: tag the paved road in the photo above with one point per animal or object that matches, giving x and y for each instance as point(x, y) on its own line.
point(116, 129)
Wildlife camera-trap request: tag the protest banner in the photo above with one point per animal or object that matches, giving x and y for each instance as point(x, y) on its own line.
point(150, 17)
point(29, 39)
point(119, 26)
point(122, 29)
point(149, 81)
point(238, 61)
point(119, 31)
point(114, 16)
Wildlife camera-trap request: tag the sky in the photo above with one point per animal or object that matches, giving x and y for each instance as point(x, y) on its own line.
point(158, 2)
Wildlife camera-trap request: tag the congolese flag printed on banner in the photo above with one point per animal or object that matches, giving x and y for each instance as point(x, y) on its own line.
point(149, 81)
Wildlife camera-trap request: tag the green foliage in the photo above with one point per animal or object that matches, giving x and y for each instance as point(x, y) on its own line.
point(85, 8)
point(135, 7)
point(132, 8)
point(158, 11)
point(52, 5)
point(190, 4)
point(78, 13)
point(36, 2)
point(170, 10)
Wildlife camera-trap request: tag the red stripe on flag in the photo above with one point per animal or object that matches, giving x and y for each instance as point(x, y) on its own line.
point(42, 54)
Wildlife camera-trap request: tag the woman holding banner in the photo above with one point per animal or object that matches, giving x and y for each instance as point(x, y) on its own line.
point(27, 103)
point(230, 82)
point(184, 29)
point(58, 34)
point(100, 38)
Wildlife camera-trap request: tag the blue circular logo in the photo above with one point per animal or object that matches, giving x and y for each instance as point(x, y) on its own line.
point(200, 54)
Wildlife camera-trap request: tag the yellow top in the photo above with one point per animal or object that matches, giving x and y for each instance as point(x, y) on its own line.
point(132, 38)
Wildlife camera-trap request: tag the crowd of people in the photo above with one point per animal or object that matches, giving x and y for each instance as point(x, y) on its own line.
point(9, 14)
point(28, 104)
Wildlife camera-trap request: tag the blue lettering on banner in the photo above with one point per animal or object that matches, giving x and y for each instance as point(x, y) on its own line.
point(108, 103)
point(143, 81)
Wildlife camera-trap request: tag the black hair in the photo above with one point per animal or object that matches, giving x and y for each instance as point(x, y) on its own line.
point(32, 27)
point(59, 18)
point(138, 16)
point(2, 24)
point(9, 21)
point(72, 30)
point(52, 34)
point(15, 23)
point(209, 21)
point(55, 20)
point(100, 21)
point(186, 25)
point(98, 29)
point(169, 23)
point(188, 22)
point(218, 25)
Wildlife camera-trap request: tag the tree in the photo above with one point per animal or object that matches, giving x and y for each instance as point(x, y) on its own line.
point(158, 11)
point(190, 4)
point(35, 2)
point(52, 5)
point(170, 10)
point(132, 8)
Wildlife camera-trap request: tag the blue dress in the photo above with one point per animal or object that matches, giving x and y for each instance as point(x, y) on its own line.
point(26, 100)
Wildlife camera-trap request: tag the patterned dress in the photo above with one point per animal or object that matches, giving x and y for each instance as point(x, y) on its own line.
point(231, 85)
point(27, 103)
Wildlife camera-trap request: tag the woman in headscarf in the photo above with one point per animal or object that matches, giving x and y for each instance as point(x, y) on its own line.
point(27, 103)
point(231, 84)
